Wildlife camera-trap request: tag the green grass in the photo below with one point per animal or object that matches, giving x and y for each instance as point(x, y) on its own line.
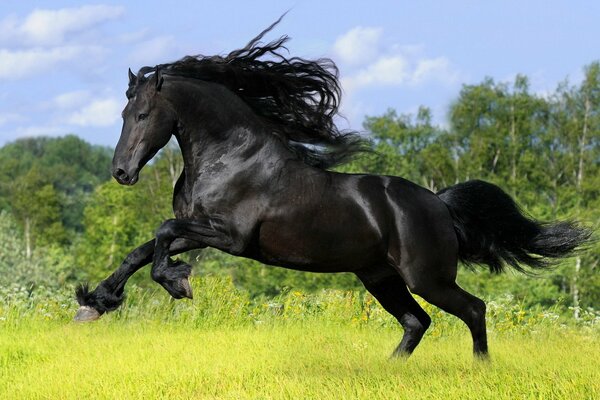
point(315, 360)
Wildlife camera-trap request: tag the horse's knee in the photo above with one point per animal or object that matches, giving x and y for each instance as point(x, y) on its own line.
point(166, 229)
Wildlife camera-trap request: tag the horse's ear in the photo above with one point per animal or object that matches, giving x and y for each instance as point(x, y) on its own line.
point(158, 79)
point(132, 78)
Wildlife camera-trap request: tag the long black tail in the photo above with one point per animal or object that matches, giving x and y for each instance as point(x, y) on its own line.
point(492, 230)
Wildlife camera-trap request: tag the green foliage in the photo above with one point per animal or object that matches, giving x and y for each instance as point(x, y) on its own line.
point(46, 182)
point(218, 302)
point(36, 205)
point(118, 218)
point(407, 146)
point(50, 266)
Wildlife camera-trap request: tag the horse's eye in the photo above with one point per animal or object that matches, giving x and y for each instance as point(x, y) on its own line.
point(142, 116)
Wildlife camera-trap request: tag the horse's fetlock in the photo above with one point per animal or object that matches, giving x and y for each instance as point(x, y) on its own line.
point(414, 325)
point(157, 275)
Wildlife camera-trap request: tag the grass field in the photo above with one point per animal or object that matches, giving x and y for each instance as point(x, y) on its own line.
point(317, 361)
point(329, 346)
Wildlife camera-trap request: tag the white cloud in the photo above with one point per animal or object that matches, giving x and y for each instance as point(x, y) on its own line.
point(371, 65)
point(44, 39)
point(153, 51)
point(358, 45)
point(20, 63)
point(70, 100)
point(103, 112)
point(10, 117)
point(385, 71)
point(51, 27)
point(397, 70)
point(438, 69)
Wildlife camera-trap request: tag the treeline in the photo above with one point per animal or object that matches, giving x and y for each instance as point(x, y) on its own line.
point(64, 220)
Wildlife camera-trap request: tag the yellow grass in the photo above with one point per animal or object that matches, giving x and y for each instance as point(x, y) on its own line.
point(311, 360)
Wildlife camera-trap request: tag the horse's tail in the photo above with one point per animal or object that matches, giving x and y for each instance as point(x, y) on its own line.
point(492, 230)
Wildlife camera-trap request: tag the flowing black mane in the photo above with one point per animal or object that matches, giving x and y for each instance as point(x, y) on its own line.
point(298, 98)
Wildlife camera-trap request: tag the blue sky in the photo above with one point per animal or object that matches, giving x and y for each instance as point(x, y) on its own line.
point(63, 64)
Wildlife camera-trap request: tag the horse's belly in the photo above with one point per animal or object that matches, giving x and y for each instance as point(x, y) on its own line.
point(337, 248)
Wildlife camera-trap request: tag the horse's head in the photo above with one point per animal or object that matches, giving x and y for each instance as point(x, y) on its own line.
point(148, 123)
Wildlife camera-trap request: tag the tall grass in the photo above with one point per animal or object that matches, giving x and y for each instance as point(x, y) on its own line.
point(217, 302)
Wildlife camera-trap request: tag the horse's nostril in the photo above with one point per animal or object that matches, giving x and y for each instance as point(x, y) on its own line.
point(121, 175)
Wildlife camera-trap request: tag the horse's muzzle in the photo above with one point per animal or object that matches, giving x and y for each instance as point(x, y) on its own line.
point(124, 178)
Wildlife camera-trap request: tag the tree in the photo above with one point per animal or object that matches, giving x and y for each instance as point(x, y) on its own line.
point(72, 166)
point(411, 147)
point(576, 124)
point(49, 266)
point(36, 205)
point(12, 251)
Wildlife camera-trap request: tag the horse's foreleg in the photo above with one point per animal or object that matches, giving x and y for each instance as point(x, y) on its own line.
point(109, 294)
point(173, 275)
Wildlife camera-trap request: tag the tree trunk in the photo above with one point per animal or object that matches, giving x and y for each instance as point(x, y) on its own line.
point(576, 288)
point(495, 161)
point(113, 243)
point(582, 140)
point(28, 238)
point(513, 138)
point(578, 185)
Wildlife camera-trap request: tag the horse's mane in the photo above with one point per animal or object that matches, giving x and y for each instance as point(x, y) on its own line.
point(298, 98)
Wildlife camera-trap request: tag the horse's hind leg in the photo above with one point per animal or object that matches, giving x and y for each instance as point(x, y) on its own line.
point(456, 301)
point(394, 297)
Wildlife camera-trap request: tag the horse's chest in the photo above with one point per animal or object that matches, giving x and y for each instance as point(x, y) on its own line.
point(182, 205)
point(198, 199)
point(186, 202)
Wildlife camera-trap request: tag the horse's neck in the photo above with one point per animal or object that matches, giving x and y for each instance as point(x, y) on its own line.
point(241, 144)
point(221, 130)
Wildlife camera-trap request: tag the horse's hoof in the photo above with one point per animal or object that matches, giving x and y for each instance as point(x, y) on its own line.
point(184, 283)
point(86, 314)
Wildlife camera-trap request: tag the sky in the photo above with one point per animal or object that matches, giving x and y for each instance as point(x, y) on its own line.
point(63, 64)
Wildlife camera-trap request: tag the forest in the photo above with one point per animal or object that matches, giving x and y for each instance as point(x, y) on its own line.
point(63, 220)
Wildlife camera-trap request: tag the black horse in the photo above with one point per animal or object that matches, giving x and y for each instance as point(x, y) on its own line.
point(257, 136)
